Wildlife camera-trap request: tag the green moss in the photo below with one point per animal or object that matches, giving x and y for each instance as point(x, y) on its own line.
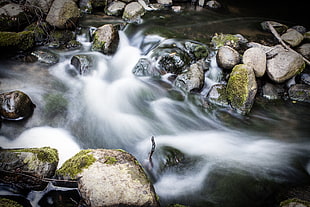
point(4, 202)
point(98, 45)
point(237, 86)
point(76, 164)
point(44, 154)
point(220, 40)
point(294, 200)
point(110, 160)
point(18, 41)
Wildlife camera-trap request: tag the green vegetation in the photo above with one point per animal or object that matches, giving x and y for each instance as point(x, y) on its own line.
point(44, 154)
point(19, 41)
point(4, 202)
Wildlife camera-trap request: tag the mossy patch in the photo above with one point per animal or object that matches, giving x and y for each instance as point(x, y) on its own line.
point(4, 202)
point(110, 160)
point(76, 164)
point(17, 41)
point(220, 40)
point(44, 154)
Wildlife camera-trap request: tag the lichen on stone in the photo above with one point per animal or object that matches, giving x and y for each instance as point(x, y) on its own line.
point(76, 164)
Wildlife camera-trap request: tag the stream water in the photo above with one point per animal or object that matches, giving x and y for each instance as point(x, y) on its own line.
point(203, 156)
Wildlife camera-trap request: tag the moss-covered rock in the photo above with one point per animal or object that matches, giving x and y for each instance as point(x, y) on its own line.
point(106, 39)
point(300, 92)
point(110, 178)
point(294, 202)
point(25, 167)
point(16, 41)
point(4, 202)
point(241, 88)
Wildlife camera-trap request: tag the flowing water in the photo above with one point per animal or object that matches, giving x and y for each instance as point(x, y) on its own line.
point(204, 156)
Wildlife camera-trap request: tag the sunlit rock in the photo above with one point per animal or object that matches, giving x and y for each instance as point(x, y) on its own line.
point(15, 105)
point(63, 14)
point(300, 92)
point(227, 57)
point(284, 66)
point(106, 39)
point(241, 88)
point(192, 78)
point(292, 37)
point(26, 167)
point(110, 178)
point(133, 12)
point(255, 58)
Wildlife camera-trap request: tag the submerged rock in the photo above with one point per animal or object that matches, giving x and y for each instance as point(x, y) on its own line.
point(106, 39)
point(110, 178)
point(284, 66)
point(26, 167)
point(15, 105)
point(241, 88)
point(63, 14)
point(300, 92)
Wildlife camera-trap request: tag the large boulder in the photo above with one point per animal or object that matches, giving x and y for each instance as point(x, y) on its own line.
point(15, 105)
point(284, 66)
point(26, 167)
point(16, 41)
point(191, 79)
point(63, 14)
point(256, 58)
point(133, 12)
point(106, 39)
point(110, 178)
point(13, 17)
point(227, 57)
point(241, 88)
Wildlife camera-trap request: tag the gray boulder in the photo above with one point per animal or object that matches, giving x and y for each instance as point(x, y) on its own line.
point(292, 37)
point(227, 57)
point(63, 14)
point(106, 39)
point(15, 105)
point(115, 8)
point(133, 12)
point(300, 92)
point(284, 66)
point(25, 167)
point(241, 88)
point(255, 58)
point(110, 178)
point(192, 78)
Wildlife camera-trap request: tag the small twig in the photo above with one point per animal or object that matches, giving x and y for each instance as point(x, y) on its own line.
point(152, 151)
point(275, 33)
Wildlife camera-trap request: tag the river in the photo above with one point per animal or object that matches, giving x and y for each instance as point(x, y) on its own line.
point(203, 157)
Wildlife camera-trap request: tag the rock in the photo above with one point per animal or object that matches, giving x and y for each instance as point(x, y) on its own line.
point(43, 5)
point(236, 41)
point(196, 50)
point(97, 4)
point(227, 57)
point(13, 17)
point(115, 8)
point(63, 14)
point(144, 68)
point(241, 88)
point(82, 63)
point(304, 50)
point(133, 12)
point(165, 2)
point(300, 29)
point(106, 39)
point(13, 42)
point(294, 202)
point(192, 78)
point(45, 56)
point(255, 58)
point(280, 28)
point(307, 36)
point(292, 37)
point(5, 202)
point(284, 66)
point(110, 178)
point(213, 4)
point(61, 36)
point(36, 163)
point(15, 105)
point(300, 92)
point(305, 78)
point(217, 95)
point(272, 92)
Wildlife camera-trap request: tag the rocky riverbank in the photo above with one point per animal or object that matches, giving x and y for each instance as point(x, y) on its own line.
point(252, 72)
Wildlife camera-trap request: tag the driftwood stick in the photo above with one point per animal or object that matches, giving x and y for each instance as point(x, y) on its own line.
point(152, 151)
point(275, 33)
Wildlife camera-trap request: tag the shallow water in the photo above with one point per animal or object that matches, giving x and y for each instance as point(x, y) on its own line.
point(203, 157)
